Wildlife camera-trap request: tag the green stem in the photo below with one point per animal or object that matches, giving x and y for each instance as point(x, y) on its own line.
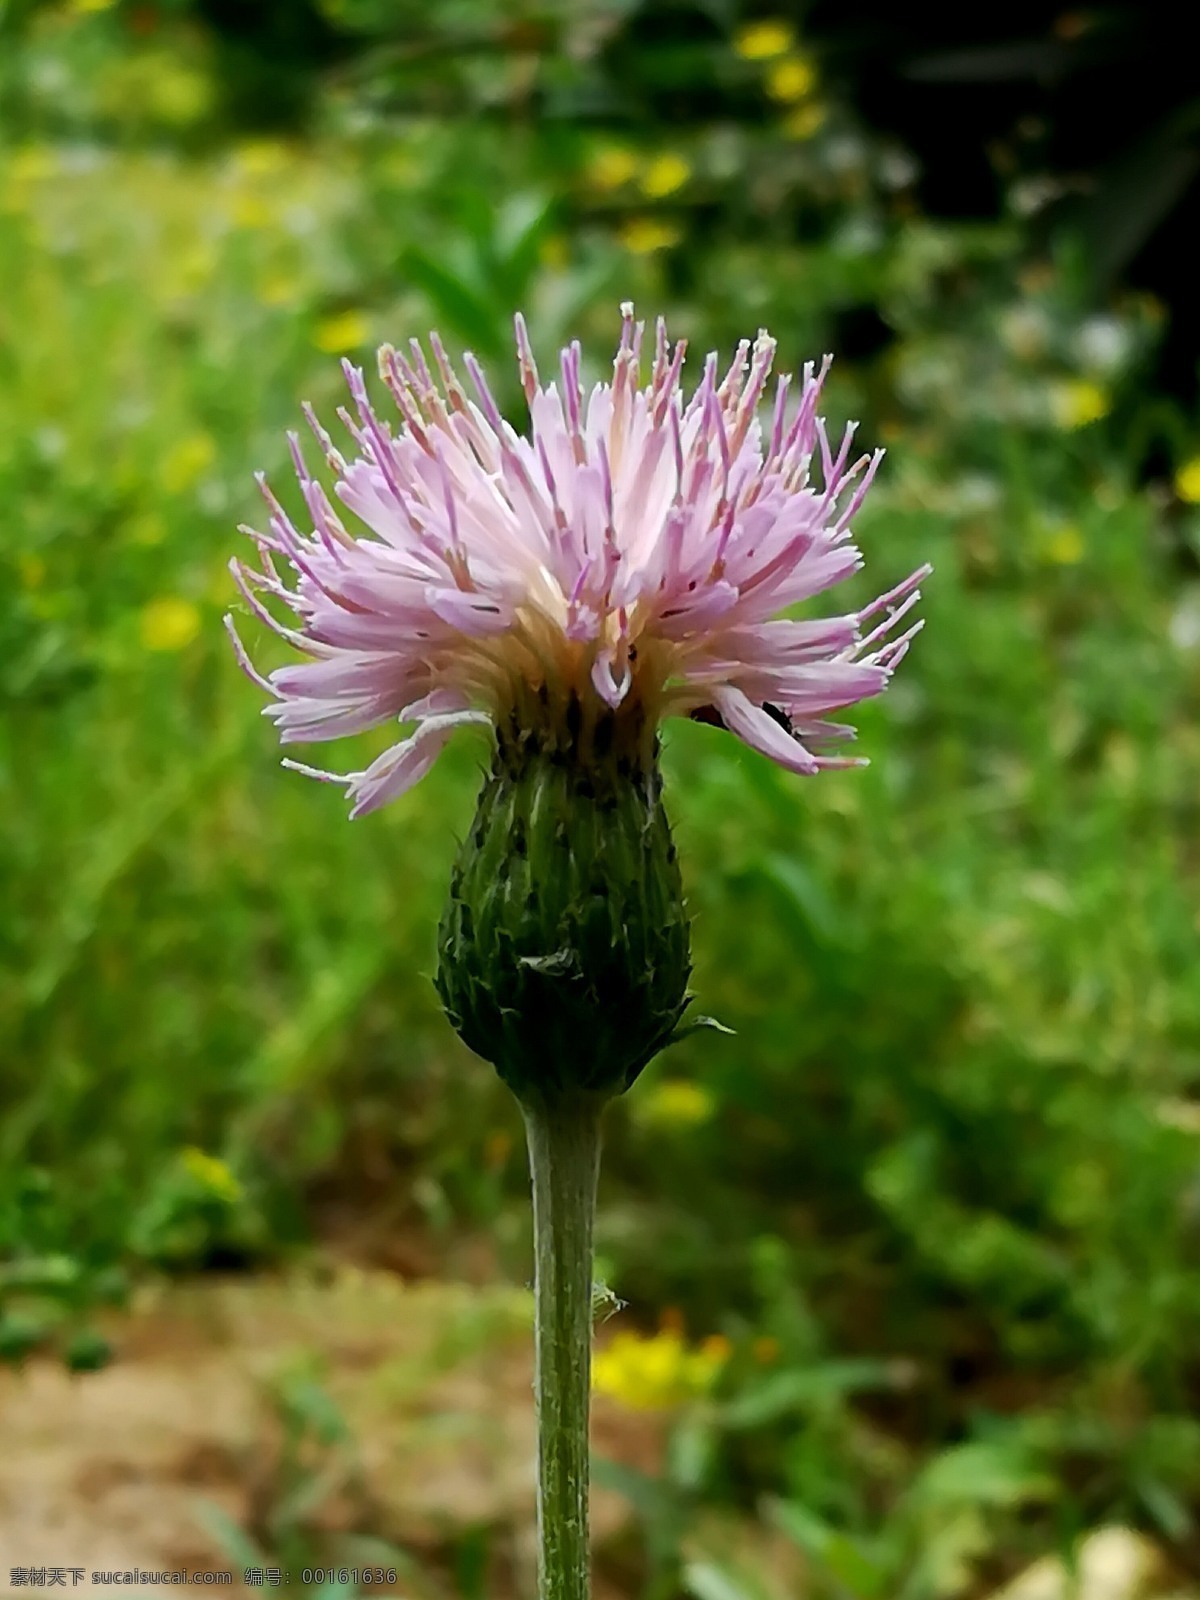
point(564, 1159)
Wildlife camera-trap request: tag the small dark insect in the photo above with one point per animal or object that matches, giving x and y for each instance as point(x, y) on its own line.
point(708, 715)
point(713, 718)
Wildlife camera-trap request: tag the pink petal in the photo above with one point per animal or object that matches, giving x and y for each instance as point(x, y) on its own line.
point(405, 764)
point(474, 614)
point(611, 690)
point(758, 729)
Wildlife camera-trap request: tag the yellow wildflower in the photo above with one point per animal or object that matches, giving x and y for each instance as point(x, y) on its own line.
point(611, 167)
point(791, 78)
point(30, 163)
point(262, 158)
point(648, 1373)
point(156, 85)
point(191, 270)
point(169, 623)
point(761, 41)
point(643, 236)
point(554, 252)
point(1065, 545)
point(146, 527)
point(675, 1103)
point(32, 568)
point(187, 462)
point(344, 331)
point(279, 289)
point(252, 210)
point(212, 1174)
point(181, 95)
point(1187, 481)
point(664, 175)
point(1077, 402)
point(805, 120)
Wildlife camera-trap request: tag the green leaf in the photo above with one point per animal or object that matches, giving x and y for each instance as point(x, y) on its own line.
point(706, 1581)
point(231, 1538)
point(845, 1558)
point(469, 314)
point(1166, 1508)
point(650, 1497)
point(802, 1389)
point(691, 1453)
point(697, 1025)
point(984, 1474)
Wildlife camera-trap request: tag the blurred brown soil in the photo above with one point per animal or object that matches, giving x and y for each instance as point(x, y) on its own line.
point(108, 1470)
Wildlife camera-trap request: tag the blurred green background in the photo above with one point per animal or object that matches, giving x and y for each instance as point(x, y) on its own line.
point(908, 1269)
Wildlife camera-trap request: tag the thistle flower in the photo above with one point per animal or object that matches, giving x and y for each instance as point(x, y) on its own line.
point(626, 560)
point(623, 563)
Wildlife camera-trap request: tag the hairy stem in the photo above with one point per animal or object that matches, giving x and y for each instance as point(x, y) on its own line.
point(564, 1159)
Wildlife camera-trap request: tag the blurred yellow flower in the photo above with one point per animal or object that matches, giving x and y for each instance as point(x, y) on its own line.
point(1077, 402)
point(648, 1373)
point(1065, 545)
point(181, 96)
point(250, 210)
point(1187, 481)
point(32, 568)
point(262, 158)
point(554, 252)
point(279, 289)
point(83, 8)
point(663, 175)
point(156, 85)
point(791, 78)
point(342, 332)
point(212, 1174)
point(675, 1102)
point(31, 163)
point(186, 462)
point(191, 270)
point(805, 120)
point(612, 166)
point(146, 527)
point(169, 623)
point(642, 236)
point(760, 41)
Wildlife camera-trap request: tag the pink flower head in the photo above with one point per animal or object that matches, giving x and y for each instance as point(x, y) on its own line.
point(632, 551)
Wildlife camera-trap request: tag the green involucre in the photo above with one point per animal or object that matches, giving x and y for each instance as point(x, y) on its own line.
point(564, 949)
